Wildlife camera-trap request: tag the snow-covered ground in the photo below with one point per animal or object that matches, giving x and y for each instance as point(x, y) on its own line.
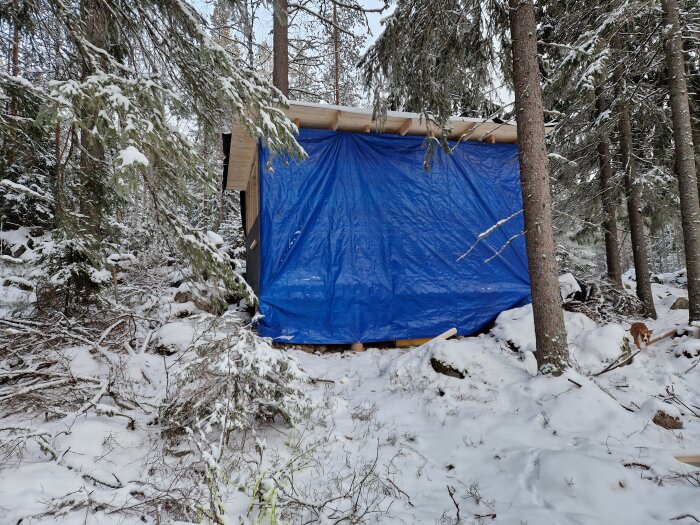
point(521, 449)
point(388, 439)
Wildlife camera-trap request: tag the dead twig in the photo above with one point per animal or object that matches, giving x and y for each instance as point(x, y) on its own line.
point(620, 361)
point(451, 492)
point(683, 516)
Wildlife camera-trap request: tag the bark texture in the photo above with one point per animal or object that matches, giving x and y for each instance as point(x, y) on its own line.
point(280, 48)
point(92, 158)
point(550, 333)
point(632, 191)
point(336, 55)
point(685, 154)
point(607, 194)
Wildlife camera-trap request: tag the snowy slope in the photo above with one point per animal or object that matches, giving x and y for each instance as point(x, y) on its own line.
point(512, 447)
point(389, 440)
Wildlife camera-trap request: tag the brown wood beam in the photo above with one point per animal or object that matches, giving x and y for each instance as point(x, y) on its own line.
point(336, 120)
point(405, 126)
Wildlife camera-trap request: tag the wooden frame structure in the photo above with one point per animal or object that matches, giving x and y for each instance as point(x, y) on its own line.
point(242, 174)
point(243, 153)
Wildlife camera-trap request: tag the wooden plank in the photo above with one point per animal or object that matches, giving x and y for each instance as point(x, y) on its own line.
point(690, 460)
point(242, 154)
point(336, 120)
point(404, 343)
point(252, 197)
point(367, 128)
point(420, 342)
point(405, 126)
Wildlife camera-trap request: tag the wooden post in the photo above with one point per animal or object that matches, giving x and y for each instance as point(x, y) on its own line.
point(357, 347)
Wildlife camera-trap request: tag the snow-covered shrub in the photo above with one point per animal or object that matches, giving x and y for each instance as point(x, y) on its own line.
point(234, 384)
point(75, 273)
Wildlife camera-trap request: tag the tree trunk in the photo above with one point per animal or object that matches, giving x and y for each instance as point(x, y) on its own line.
point(634, 214)
point(249, 37)
point(280, 48)
point(550, 333)
point(15, 73)
point(607, 193)
point(336, 55)
point(685, 154)
point(632, 191)
point(92, 192)
point(57, 182)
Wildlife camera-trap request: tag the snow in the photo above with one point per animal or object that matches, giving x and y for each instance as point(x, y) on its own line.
point(599, 345)
point(176, 335)
point(130, 155)
point(539, 450)
point(215, 238)
point(527, 448)
point(517, 327)
point(568, 285)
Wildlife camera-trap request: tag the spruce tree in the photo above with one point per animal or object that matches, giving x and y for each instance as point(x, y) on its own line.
point(133, 81)
point(685, 154)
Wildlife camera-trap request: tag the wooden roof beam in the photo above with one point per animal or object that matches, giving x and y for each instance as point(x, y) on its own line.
point(405, 126)
point(466, 132)
point(336, 120)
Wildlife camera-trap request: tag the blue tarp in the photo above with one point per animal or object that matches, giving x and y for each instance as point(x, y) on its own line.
point(359, 243)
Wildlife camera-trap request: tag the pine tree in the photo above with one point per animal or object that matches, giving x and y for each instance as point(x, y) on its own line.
point(581, 54)
point(633, 192)
point(685, 154)
point(280, 47)
point(550, 332)
point(132, 83)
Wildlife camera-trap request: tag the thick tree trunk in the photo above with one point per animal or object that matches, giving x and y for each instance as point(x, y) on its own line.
point(685, 154)
point(607, 193)
point(280, 49)
point(550, 333)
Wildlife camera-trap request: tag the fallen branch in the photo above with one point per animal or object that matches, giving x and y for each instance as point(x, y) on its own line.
point(488, 232)
point(451, 492)
point(682, 516)
point(673, 397)
point(620, 361)
point(670, 333)
point(692, 366)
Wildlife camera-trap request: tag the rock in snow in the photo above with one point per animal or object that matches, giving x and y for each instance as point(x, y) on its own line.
point(681, 303)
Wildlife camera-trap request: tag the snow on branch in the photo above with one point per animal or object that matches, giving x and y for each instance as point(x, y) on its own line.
point(21, 188)
point(488, 232)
